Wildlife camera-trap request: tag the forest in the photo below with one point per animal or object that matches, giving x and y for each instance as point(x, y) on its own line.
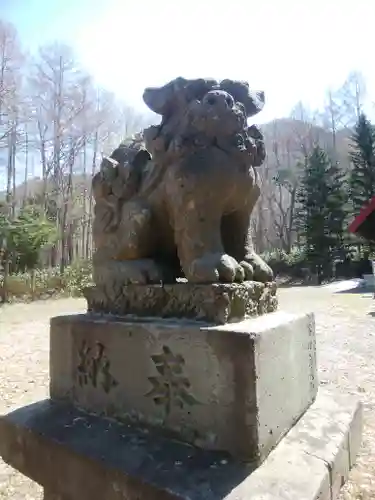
point(56, 124)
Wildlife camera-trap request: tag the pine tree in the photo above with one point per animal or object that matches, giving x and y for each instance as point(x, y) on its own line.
point(322, 214)
point(337, 209)
point(362, 175)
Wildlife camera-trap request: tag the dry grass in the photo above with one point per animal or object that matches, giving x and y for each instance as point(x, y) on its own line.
point(346, 343)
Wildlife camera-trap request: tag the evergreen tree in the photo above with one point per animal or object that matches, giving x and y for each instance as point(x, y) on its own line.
point(22, 238)
point(362, 175)
point(322, 214)
point(337, 209)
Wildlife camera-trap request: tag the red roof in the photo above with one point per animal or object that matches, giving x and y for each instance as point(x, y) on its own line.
point(364, 213)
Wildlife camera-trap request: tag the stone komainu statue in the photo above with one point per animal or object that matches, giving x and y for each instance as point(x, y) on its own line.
point(179, 205)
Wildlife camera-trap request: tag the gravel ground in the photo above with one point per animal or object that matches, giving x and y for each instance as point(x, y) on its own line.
point(346, 350)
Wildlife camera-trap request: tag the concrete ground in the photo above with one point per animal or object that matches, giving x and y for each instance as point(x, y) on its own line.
point(345, 317)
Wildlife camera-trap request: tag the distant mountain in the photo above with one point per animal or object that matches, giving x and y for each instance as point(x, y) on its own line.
point(288, 134)
point(291, 136)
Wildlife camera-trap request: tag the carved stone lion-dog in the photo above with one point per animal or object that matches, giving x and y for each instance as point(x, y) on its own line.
point(181, 205)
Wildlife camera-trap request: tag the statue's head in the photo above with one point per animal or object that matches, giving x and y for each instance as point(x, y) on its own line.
point(201, 109)
point(178, 93)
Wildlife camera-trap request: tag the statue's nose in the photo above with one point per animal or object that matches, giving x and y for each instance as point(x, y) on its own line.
point(219, 98)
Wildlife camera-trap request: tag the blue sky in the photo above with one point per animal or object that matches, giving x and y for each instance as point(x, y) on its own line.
point(291, 49)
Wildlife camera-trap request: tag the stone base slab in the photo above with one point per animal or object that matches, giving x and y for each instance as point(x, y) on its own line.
point(237, 387)
point(216, 303)
point(83, 457)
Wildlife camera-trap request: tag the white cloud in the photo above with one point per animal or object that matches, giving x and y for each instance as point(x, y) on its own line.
point(293, 50)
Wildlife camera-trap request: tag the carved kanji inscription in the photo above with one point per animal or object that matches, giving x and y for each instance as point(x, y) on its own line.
point(94, 367)
point(170, 387)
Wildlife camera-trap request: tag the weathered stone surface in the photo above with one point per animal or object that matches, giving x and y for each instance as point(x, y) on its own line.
point(355, 435)
point(312, 461)
point(214, 302)
point(85, 457)
point(181, 207)
point(48, 495)
point(329, 439)
point(287, 474)
point(237, 387)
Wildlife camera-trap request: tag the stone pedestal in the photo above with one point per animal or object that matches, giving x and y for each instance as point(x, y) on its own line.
point(217, 303)
point(190, 405)
point(85, 457)
point(237, 387)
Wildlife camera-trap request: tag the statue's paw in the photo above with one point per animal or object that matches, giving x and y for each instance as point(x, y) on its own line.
point(248, 270)
point(216, 267)
point(261, 271)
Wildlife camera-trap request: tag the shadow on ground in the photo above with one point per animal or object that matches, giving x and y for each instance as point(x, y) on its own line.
point(366, 292)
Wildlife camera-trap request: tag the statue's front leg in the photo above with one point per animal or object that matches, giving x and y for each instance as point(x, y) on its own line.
point(200, 250)
point(238, 243)
point(196, 222)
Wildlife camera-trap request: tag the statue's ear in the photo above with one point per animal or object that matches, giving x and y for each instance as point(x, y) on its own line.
point(166, 99)
point(161, 99)
point(252, 100)
point(255, 103)
point(141, 158)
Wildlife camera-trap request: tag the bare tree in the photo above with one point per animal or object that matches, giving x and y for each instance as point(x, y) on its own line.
point(332, 117)
point(286, 151)
point(11, 59)
point(11, 62)
point(351, 97)
point(59, 100)
point(341, 110)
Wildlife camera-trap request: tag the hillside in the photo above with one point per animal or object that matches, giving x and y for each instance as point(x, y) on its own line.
point(292, 136)
point(289, 135)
